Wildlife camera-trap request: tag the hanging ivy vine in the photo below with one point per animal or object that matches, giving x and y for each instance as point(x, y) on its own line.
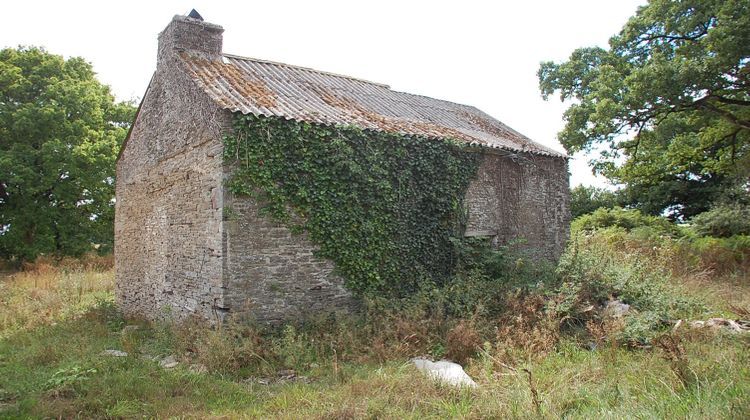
point(381, 206)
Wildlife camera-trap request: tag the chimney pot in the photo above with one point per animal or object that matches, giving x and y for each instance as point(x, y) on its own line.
point(195, 15)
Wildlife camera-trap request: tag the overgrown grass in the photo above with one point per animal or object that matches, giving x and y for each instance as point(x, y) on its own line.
point(49, 291)
point(541, 352)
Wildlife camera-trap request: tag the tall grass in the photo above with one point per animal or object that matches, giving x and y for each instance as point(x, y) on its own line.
point(49, 291)
point(544, 349)
point(715, 271)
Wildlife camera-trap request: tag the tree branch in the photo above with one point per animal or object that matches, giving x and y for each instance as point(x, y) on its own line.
point(730, 101)
point(705, 104)
point(695, 37)
point(733, 136)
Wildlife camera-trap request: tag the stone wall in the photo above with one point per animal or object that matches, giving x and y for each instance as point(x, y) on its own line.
point(168, 220)
point(522, 199)
point(272, 274)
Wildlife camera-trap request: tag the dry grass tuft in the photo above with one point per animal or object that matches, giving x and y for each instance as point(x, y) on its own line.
point(673, 350)
point(526, 330)
point(463, 341)
point(223, 349)
point(402, 335)
point(43, 293)
point(88, 262)
point(604, 331)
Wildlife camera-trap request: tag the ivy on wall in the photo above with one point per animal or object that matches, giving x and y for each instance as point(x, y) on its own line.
point(381, 206)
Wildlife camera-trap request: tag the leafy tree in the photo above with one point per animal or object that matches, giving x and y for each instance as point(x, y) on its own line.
point(60, 130)
point(667, 105)
point(584, 200)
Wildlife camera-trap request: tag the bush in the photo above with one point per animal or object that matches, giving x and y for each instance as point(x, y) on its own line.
point(723, 221)
point(485, 275)
point(721, 254)
point(623, 218)
point(597, 268)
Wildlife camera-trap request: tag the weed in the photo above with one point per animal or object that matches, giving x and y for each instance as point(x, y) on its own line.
point(70, 376)
point(527, 330)
point(45, 294)
point(233, 348)
point(673, 351)
point(534, 393)
point(463, 341)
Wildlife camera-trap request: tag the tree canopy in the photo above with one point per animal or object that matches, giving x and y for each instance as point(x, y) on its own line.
point(585, 200)
point(667, 105)
point(60, 131)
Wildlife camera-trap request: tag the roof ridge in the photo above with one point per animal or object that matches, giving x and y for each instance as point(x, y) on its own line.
point(328, 73)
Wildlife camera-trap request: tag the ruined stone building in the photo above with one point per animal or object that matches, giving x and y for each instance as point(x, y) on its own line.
point(177, 253)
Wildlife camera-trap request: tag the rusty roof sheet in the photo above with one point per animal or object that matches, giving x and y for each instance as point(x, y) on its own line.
point(260, 87)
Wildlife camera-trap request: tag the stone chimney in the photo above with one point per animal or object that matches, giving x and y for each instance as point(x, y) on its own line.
point(186, 33)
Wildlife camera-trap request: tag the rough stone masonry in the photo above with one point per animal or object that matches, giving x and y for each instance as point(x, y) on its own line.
point(178, 253)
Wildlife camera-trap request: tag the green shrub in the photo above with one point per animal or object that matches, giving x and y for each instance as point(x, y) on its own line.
point(623, 218)
point(596, 269)
point(723, 221)
point(485, 275)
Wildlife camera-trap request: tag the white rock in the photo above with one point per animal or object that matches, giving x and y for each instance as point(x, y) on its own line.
point(677, 325)
point(114, 353)
point(444, 371)
point(721, 324)
point(168, 362)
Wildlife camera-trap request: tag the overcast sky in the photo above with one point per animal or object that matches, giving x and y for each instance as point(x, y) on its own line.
point(480, 53)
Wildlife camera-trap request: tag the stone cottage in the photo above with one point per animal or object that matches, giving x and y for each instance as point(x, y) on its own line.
point(177, 253)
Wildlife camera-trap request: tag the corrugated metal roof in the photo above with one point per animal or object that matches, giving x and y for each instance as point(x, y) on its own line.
point(266, 88)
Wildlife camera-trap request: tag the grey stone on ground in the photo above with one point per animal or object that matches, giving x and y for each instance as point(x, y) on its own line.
point(198, 368)
point(282, 376)
point(114, 353)
point(616, 309)
point(444, 371)
point(168, 362)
